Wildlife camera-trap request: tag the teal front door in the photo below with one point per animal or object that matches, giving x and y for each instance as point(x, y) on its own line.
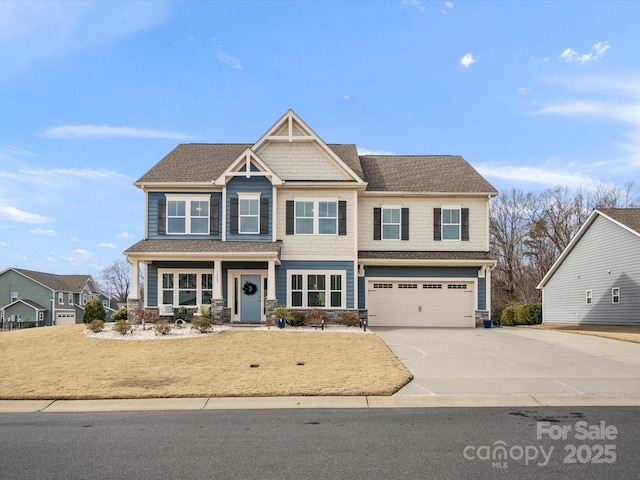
point(250, 295)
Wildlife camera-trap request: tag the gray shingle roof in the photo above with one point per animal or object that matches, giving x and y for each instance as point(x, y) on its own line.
point(204, 162)
point(422, 173)
point(424, 255)
point(627, 216)
point(60, 283)
point(201, 246)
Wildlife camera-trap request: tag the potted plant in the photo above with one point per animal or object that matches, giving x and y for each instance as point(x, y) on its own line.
point(282, 314)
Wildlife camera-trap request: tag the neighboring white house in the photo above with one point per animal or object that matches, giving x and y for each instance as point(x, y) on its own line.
point(596, 279)
point(291, 220)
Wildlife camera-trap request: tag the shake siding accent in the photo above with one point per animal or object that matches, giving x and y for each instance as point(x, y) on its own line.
point(281, 276)
point(248, 185)
point(605, 247)
point(301, 161)
point(421, 224)
point(316, 246)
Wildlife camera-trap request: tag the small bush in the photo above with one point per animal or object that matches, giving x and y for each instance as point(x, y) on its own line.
point(349, 319)
point(201, 324)
point(204, 310)
point(95, 326)
point(122, 327)
point(94, 310)
point(162, 327)
point(295, 319)
point(315, 317)
point(281, 312)
point(508, 317)
point(120, 314)
point(528, 314)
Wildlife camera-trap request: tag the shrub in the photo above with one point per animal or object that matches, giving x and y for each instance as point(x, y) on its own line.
point(201, 324)
point(508, 317)
point(315, 317)
point(94, 310)
point(204, 310)
point(162, 327)
point(282, 312)
point(122, 327)
point(120, 314)
point(95, 326)
point(527, 314)
point(296, 319)
point(349, 319)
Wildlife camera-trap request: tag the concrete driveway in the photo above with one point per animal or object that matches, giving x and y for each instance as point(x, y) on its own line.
point(550, 366)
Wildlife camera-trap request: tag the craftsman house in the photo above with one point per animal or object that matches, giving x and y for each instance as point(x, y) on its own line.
point(29, 298)
point(596, 279)
point(291, 220)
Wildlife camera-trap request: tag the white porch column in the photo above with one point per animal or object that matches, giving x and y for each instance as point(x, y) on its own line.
point(487, 280)
point(217, 279)
point(134, 291)
point(271, 280)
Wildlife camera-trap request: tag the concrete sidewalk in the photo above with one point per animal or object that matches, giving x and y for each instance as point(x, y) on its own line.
point(497, 367)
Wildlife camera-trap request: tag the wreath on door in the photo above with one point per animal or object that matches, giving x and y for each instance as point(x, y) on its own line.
point(249, 288)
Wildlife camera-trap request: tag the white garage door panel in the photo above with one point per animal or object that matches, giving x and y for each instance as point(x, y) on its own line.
point(65, 318)
point(420, 304)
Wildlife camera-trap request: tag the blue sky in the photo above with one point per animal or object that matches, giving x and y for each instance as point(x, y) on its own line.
point(93, 94)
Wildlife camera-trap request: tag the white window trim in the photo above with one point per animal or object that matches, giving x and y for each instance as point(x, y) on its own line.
point(60, 298)
point(187, 213)
point(327, 290)
point(176, 290)
point(70, 298)
point(15, 296)
point(316, 215)
point(614, 295)
point(588, 297)
point(248, 196)
point(382, 223)
point(459, 224)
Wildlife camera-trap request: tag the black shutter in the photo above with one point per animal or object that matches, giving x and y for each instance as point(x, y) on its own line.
point(162, 216)
point(464, 233)
point(264, 216)
point(377, 223)
point(342, 217)
point(404, 225)
point(290, 217)
point(233, 215)
point(214, 217)
point(437, 224)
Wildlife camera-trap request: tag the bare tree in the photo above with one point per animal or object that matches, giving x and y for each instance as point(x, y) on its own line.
point(115, 280)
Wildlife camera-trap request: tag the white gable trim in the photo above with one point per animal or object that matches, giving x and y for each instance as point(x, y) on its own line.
point(574, 241)
point(309, 136)
point(245, 159)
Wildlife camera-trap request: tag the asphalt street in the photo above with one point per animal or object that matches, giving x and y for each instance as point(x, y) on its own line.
point(408, 443)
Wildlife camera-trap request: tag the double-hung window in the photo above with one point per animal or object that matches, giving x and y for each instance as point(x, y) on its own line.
point(589, 297)
point(450, 224)
point(391, 224)
point(316, 217)
point(317, 289)
point(249, 215)
point(615, 295)
point(185, 288)
point(188, 215)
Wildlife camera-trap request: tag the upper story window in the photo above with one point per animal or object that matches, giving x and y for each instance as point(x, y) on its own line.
point(60, 298)
point(187, 215)
point(71, 299)
point(589, 297)
point(316, 217)
point(450, 224)
point(391, 223)
point(249, 215)
point(14, 296)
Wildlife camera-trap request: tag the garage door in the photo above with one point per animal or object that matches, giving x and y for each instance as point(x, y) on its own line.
point(420, 304)
point(65, 318)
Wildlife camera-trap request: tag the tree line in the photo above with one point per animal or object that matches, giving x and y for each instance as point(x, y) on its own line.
point(528, 232)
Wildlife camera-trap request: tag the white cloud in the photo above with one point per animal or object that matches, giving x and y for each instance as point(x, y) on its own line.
point(366, 151)
point(79, 256)
point(228, 59)
point(415, 4)
point(126, 235)
point(60, 177)
point(346, 97)
point(106, 131)
point(105, 245)
point(597, 52)
point(39, 231)
point(4, 244)
point(467, 60)
point(524, 91)
point(13, 214)
point(33, 31)
point(542, 176)
point(447, 6)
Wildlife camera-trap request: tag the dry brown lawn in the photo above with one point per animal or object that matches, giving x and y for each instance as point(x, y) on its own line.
point(627, 333)
point(63, 363)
